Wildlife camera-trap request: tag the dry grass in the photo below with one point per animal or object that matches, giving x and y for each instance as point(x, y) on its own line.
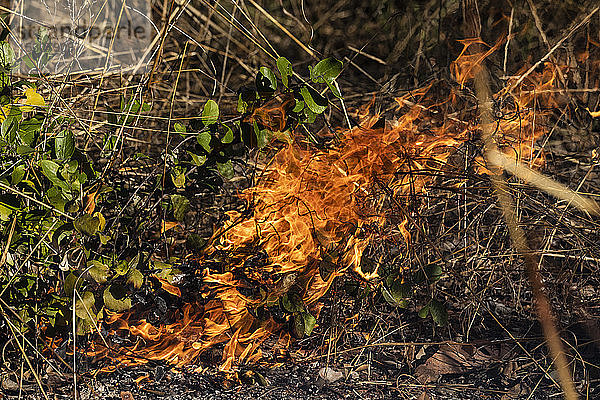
point(210, 49)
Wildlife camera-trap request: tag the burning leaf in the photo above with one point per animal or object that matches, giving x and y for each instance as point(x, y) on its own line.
point(168, 287)
point(312, 200)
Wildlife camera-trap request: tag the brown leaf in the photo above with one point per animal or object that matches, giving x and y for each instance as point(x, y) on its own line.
point(330, 375)
point(166, 225)
point(126, 396)
point(89, 201)
point(424, 396)
point(454, 359)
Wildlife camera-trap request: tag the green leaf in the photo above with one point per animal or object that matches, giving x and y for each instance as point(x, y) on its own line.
point(326, 70)
point(17, 174)
point(23, 150)
point(431, 273)
point(84, 326)
point(72, 166)
point(135, 278)
point(195, 242)
point(103, 238)
point(115, 298)
point(87, 224)
point(10, 202)
point(299, 106)
point(226, 169)
point(203, 139)
point(179, 127)
point(262, 135)
point(228, 138)
point(210, 113)
point(242, 105)
point(310, 116)
point(438, 312)
point(423, 312)
point(123, 266)
point(196, 159)
point(309, 322)
point(313, 100)
point(298, 327)
point(181, 206)
point(28, 131)
point(292, 302)
point(434, 272)
point(50, 170)
point(84, 307)
point(178, 178)
point(69, 284)
point(9, 128)
point(98, 271)
point(266, 81)
point(64, 145)
point(285, 69)
point(333, 87)
point(56, 198)
point(7, 56)
point(395, 292)
point(303, 324)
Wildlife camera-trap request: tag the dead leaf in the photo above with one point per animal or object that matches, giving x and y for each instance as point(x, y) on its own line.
point(424, 396)
point(454, 359)
point(166, 225)
point(89, 201)
point(330, 375)
point(126, 396)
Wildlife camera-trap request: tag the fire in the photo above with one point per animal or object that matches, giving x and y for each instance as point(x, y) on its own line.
point(313, 213)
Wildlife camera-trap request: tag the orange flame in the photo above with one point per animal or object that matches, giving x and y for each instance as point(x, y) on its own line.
point(312, 206)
